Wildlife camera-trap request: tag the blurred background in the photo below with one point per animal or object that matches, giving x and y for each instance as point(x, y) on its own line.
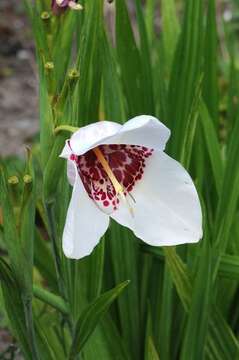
point(18, 75)
point(18, 79)
point(18, 101)
point(18, 83)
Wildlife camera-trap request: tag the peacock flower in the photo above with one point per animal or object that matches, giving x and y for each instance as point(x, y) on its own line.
point(122, 172)
point(59, 6)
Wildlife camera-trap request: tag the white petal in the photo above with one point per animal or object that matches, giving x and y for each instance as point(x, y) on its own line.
point(92, 135)
point(71, 172)
point(66, 152)
point(85, 224)
point(167, 209)
point(142, 130)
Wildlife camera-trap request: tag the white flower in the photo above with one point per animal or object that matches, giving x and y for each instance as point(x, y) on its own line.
point(121, 171)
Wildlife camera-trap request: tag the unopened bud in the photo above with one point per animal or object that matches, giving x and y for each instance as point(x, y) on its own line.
point(73, 74)
point(27, 179)
point(45, 15)
point(49, 65)
point(13, 180)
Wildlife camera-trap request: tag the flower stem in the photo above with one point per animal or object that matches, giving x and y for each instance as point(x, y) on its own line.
point(69, 128)
point(57, 261)
point(51, 299)
point(27, 304)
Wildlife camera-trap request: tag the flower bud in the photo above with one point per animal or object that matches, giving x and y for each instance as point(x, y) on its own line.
point(45, 15)
point(49, 65)
point(13, 180)
point(50, 78)
point(74, 74)
point(27, 179)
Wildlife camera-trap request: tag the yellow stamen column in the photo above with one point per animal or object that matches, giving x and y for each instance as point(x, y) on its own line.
point(117, 186)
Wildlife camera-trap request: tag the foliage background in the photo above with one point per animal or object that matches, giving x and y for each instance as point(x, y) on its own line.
point(178, 62)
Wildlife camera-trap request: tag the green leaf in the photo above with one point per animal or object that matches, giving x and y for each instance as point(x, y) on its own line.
point(105, 342)
point(43, 260)
point(14, 307)
point(171, 30)
point(179, 275)
point(16, 311)
point(91, 316)
point(222, 343)
point(229, 266)
point(229, 192)
point(10, 233)
point(63, 31)
point(166, 316)
point(19, 229)
point(51, 299)
point(150, 352)
point(129, 60)
point(53, 168)
point(212, 145)
point(210, 88)
point(113, 96)
point(89, 63)
point(190, 130)
point(195, 337)
point(232, 108)
point(26, 225)
point(150, 7)
point(221, 337)
point(19, 234)
point(146, 67)
point(185, 75)
point(96, 270)
point(122, 266)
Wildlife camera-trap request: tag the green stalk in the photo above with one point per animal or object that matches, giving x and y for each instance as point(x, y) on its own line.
point(69, 128)
point(57, 260)
point(27, 304)
point(51, 299)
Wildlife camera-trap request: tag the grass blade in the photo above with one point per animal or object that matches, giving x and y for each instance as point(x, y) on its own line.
point(91, 316)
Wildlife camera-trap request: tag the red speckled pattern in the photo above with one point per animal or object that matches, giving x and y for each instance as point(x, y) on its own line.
point(127, 162)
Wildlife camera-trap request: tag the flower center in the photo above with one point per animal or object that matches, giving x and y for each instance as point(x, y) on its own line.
point(117, 186)
point(110, 172)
